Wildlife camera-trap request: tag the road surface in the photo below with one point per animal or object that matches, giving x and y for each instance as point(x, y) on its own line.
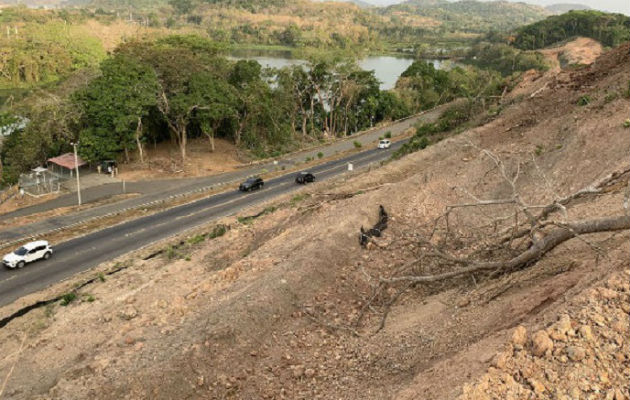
point(83, 253)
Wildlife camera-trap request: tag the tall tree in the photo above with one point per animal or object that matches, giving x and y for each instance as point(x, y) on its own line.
point(113, 107)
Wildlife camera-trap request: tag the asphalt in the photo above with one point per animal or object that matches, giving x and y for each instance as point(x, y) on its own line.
point(83, 253)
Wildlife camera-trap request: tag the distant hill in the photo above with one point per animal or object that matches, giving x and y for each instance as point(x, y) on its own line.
point(566, 7)
point(470, 15)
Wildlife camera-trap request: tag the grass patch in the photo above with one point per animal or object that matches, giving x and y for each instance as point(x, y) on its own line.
point(320, 155)
point(68, 298)
point(626, 123)
point(584, 101)
point(357, 144)
point(171, 252)
point(101, 277)
point(249, 219)
point(196, 239)
point(298, 198)
point(539, 150)
point(218, 231)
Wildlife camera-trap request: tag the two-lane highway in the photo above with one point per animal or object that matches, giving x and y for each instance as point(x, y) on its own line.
point(85, 252)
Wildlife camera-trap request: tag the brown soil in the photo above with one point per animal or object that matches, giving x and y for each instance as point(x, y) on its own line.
point(265, 310)
point(164, 160)
point(578, 51)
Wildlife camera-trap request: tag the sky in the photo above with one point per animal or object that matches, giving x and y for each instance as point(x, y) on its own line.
point(620, 6)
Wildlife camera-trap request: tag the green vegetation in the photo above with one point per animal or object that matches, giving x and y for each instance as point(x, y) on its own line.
point(218, 231)
point(584, 100)
point(35, 54)
point(388, 134)
point(422, 86)
point(453, 118)
point(320, 155)
point(504, 59)
point(196, 239)
point(357, 144)
point(609, 29)
point(68, 298)
point(298, 198)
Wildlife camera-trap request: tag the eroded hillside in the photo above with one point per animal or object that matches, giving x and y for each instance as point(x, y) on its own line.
point(288, 305)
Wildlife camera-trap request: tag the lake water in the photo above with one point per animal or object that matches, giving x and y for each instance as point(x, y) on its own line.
point(387, 69)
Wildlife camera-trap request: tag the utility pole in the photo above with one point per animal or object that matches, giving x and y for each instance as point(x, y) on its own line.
point(76, 164)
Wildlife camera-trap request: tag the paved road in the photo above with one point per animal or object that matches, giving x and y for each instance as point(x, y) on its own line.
point(153, 190)
point(82, 253)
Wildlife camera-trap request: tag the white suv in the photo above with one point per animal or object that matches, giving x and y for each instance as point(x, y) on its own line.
point(30, 252)
point(384, 144)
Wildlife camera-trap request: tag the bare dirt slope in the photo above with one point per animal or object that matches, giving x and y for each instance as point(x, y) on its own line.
point(581, 50)
point(267, 310)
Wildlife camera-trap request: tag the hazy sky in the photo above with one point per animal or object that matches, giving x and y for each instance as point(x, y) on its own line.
point(621, 6)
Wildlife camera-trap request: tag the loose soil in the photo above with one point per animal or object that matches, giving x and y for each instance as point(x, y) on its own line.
point(163, 160)
point(266, 310)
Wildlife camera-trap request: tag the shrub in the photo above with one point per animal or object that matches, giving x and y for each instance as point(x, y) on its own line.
point(626, 123)
point(388, 134)
point(539, 150)
point(196, 239)
point(68, 298)
point(218, 231)
point(101, 277)
point(357, 144)
point(320, 155)
point(171, 252)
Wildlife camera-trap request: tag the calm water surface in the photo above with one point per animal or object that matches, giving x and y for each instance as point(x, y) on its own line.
point(387, 69)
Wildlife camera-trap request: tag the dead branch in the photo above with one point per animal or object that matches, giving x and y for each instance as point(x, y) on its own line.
point(534, 253)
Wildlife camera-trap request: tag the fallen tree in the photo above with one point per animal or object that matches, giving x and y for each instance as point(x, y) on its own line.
point(513, 235)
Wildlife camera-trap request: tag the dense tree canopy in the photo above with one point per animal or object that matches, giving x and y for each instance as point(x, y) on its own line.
point(609, 29)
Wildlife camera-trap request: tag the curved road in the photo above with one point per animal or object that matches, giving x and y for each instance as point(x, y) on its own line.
point(85, 252)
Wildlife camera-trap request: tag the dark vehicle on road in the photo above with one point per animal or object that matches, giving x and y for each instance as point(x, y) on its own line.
point(253, 183)
point(304, 177)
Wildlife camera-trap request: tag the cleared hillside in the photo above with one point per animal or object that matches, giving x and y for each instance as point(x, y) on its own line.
point(288, 305)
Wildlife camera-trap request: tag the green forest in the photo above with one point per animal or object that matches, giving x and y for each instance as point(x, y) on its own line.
point(609, 29)
point(116, 85)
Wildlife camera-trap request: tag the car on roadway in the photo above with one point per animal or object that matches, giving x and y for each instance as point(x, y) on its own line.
point(30, 252)
point(253, 183)
point(384, 144)
point(304, 177)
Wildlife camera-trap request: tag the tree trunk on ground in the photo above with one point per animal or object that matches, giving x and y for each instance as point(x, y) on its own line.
point(554, 238)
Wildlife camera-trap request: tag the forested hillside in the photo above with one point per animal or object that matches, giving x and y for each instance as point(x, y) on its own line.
point(609, 29)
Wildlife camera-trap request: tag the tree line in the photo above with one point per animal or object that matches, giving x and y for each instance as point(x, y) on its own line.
point(609, 29)
point(181, 87)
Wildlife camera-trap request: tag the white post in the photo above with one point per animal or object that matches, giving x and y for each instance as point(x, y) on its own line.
point(76, 164)
point(350, 167)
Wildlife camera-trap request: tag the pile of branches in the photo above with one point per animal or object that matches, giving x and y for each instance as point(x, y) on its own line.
point(512, 235)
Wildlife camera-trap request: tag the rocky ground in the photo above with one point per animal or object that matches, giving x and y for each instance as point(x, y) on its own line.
point(584, 355)
point(270, 309)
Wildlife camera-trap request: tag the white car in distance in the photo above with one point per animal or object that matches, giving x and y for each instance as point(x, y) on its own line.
point(30, 252)
point(384, 144)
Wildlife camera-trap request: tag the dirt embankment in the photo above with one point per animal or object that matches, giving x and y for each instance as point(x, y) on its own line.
point(580, 51)
point(267, 310)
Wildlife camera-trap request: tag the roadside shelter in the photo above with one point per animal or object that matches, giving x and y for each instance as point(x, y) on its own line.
point(64, 165)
